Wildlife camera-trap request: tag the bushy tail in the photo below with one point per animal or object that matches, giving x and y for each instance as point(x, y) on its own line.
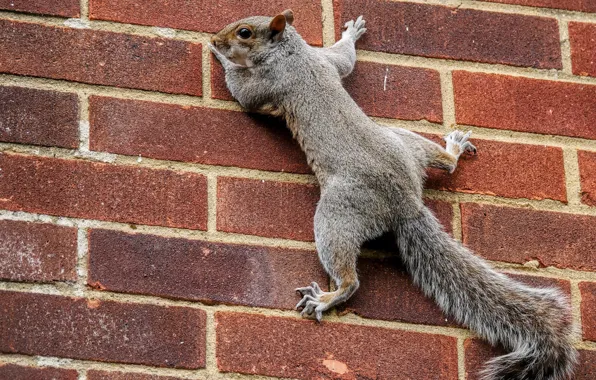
point(534, 325)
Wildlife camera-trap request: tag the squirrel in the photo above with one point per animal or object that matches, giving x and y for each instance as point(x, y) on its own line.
point(371, 180)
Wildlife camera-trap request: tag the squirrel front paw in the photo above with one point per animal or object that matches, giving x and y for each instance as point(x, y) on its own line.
point(457, 143)
point(354, 29)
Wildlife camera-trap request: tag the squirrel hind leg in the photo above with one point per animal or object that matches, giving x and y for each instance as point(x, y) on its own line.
point(315, 302)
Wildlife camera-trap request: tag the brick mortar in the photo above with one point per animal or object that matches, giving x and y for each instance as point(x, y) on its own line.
point(461, 359)
point(84, 9)
point(565, 45)
point(448, 99)
point(82, 260)
point(576, 300)
point(211, 203)
point(572, 177)
point(328, 22)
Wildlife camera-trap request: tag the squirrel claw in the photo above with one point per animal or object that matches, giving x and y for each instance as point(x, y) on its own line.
point(457, 143)
point(311, 303)
point(355, 29)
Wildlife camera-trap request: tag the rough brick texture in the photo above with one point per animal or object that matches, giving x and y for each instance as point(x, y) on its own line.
point(519, 235)
point(192, 134)
point(200, 271)
point(583, 55)
point(266, 208)
point(37, 252)
point(39, 324)
point(587, 169)
point(573, 5)
point(102, 191)
point(18, 372)
point(37, 117)
point(65, 8)
point(206, 16)
point(446, 32)
point(111, 375)
point(97, 57)
point(588, 292)
point(508, 170)
point(525, 105)
point(273, 346)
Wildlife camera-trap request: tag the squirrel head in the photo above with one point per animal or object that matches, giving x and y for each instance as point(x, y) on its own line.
point(243, 41)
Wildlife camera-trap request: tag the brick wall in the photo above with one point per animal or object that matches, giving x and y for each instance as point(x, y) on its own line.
point(151, 230)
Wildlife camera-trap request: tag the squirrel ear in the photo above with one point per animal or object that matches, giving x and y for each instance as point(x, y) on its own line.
point(277, 26)
point(289, 15)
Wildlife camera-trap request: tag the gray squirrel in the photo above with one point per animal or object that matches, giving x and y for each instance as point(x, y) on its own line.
point(371, 181)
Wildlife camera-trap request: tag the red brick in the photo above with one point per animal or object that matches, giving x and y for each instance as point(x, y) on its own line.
point(219, 90)
point(205, 16)
point(477, 353)
point(105, 58)
point(287, 347)
point(111, 375)
point(396, 91)
point(39, 117)
point(266, 208)
point(452, 33)
point(519, 235)
point(573, 5)
point(587, 172)
point(200, 271)
point(83, 189)
point(17, 372)
point(507, 170)
point(583, 55)
point(193, 134)
point(78, 328)
point(526, 105)
point(37, 252)
point(588, 291)
point(66, 8)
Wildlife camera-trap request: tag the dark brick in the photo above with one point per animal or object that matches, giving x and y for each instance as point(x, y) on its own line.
point(111, 375)
point(526, 105)
point(37, 252)
point(266, 208)
point(519, 235)
point(287, 347)
point(39, 324)
point(39, 117)
point(200, 271)
point(573, 5)
point(105, 58)
point(17, 372)
point(65, 8)
point(208, 16)
point(588, 292)
point(587, 171)
point(507, 170)
point(396, 91)
point(83, 189)
point(586, 368)
point(583, 55)
point(443, 211)
point(451, 33)
point(193, 134)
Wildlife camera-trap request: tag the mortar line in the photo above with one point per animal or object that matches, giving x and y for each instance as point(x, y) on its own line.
point(211, 203)
point(82, 374)
point(576, 300)
point(565, 45)
point(328, 22)
point(461, 360)
point(210, 346)
point(456, 224)
point(83, 122)
point(82, 260)
point(84, 4)
point(206, 73)
point(572, 177)
point(448, 99)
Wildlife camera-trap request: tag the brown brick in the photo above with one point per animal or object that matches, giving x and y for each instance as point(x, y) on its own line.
point(206, 16)
point(287, 347)
point(396, 91)
point(507, 170)
point(37, 252)
point(588, 291)
point(18, 372)
point(583, 55)
point(587, 171)
point(39, 324)
point(519, 235)
point(83, 189)
point(573, 5)
point(452, 33)
point(98, 57)
point(201, 271)
point(111, 375)
point(39, 117)
point(266, 208)
point(193, 134)
point(65, 8)
point(477, 353)
point(526, 105)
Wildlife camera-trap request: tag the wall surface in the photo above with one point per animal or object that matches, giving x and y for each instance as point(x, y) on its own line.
point(149, 229)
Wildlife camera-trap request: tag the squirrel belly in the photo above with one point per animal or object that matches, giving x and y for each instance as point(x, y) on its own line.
point(371, 180)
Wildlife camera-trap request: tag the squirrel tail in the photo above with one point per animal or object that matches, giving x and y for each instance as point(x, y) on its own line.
point(534, 325)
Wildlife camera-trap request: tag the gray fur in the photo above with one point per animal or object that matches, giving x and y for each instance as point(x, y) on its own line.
point(371, 181)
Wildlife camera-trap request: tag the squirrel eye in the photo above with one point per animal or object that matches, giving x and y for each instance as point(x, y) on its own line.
point(244, 33)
